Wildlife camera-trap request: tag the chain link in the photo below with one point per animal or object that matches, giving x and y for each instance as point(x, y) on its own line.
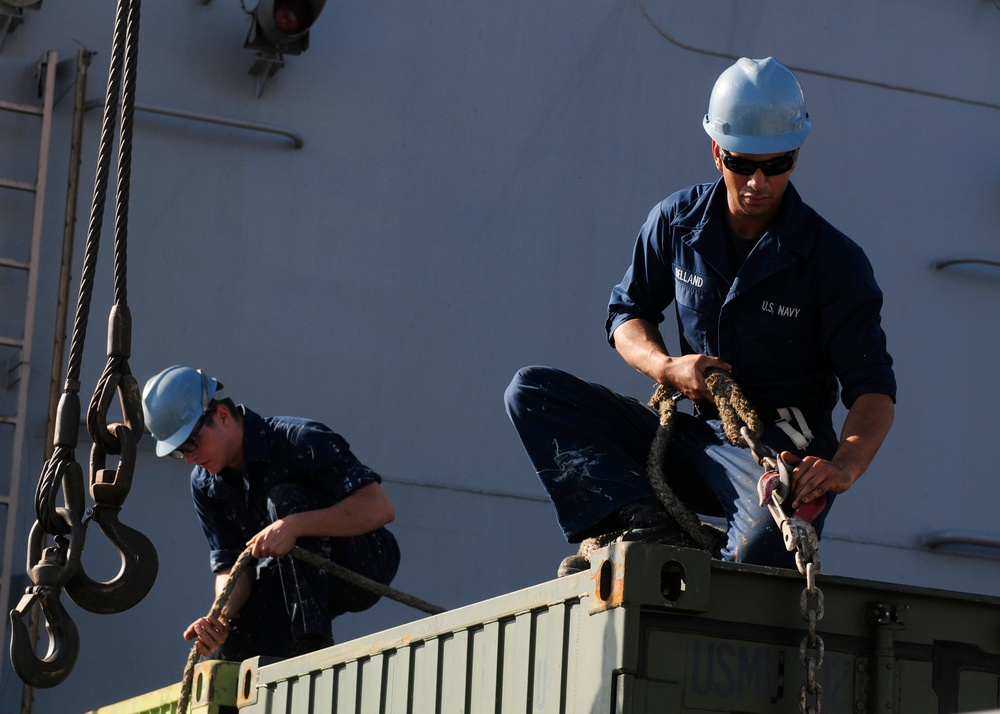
point(798, 535)
point(801, 537)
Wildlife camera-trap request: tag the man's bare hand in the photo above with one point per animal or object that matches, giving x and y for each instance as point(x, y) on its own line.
point(640, 343)
point(687, 375)
point(274, 541)
point(208, 633)
point(812, 477)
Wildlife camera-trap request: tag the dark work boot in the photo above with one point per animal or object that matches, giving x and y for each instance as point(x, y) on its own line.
point(647, 521)
point(642, 521)
point(644, 513)
point(575, 563)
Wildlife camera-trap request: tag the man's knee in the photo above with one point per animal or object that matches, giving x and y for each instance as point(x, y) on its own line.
point(519, 388)
point(530, 386)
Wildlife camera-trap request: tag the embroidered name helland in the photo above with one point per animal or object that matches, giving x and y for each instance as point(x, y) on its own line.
point(780, 310)
point(690, 278)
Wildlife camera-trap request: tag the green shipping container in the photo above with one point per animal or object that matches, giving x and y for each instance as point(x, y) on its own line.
point(658, 629)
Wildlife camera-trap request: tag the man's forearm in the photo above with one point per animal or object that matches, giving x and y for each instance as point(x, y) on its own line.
point(361, 512)
point(238, 596)
point(865, 428)
point(640, 344)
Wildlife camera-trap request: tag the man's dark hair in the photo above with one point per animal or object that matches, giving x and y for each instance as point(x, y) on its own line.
point(228, 404)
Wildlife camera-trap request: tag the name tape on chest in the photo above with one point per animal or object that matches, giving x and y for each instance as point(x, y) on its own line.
point(686, 276)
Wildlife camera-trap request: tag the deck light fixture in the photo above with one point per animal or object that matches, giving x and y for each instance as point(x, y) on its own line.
point(277, 28)
point(12, 15)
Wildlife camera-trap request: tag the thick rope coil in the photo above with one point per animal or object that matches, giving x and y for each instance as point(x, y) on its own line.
point(735, 412)
point(703, 535)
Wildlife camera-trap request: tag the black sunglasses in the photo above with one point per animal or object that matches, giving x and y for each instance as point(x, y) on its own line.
point(770, 167)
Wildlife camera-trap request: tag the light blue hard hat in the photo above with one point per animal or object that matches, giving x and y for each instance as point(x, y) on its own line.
point(757, 107)
point(173, 401)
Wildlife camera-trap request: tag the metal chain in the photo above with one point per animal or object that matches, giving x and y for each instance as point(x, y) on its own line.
point(811, 605)
point(799, 536)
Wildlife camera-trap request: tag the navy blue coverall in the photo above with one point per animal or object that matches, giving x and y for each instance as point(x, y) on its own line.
point(795, 317)
point(290, 465)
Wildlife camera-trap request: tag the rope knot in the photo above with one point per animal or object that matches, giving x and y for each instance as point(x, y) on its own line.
point(734, 409)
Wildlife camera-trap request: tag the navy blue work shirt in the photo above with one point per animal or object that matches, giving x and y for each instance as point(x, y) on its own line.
point(801, 314)
point(232, 507)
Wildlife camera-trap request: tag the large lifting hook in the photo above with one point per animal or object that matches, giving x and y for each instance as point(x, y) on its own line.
point(50, 569)
point(139, 562)
point(59, 567)
point(136, 577)
point(64, 640)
